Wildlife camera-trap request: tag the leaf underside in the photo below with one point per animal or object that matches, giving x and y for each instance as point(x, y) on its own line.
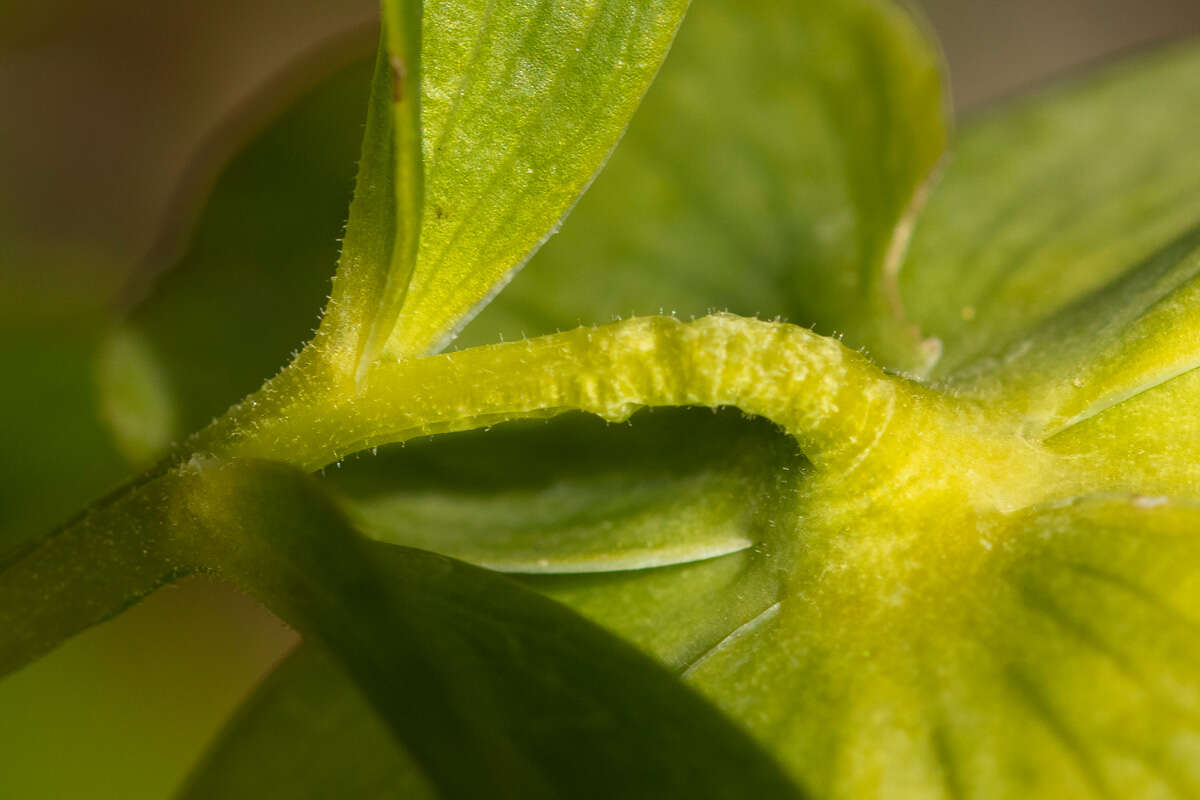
point(465, 666)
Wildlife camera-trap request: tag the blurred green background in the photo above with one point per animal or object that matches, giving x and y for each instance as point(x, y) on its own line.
point(116, 115)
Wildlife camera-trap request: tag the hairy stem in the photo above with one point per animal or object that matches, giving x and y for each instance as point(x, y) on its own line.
point(90, 569)
point(833, 401)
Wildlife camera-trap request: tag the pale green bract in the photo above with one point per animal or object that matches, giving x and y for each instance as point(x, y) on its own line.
point(980, 582)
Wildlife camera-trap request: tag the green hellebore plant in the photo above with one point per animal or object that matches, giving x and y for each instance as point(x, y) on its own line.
point(954, 551)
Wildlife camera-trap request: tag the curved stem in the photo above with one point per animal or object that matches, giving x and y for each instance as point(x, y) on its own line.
point(833, 401)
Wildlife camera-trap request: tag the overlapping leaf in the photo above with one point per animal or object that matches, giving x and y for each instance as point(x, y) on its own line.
point(1054, 196)
point(1131, 335)
point(769, 172)
point(1112, 379)
point(520, 104)
point(268, 748)
point(1054, 656)
point(463, 665)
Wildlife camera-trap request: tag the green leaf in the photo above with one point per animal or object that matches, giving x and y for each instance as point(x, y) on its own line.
point(677, 613)
point(772, 170)
point(1052, 197)
point(1126, 339)
point(563, 489)
point(573, 495)
point(380, 246)
point(558, 484)
point(57, 452)
point(460, 182)
point(465, 667)
point(307, 732)
point(521, 105)
point(1135, 423)
point(1058, 659)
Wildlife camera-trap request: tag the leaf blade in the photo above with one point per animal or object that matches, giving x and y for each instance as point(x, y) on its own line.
point(571, 495)
point(526, 102)
point(530, 681)
point(765, 174)
point(1074, 176)
point(1059, 658)
point(307, 694)
point(380, 248)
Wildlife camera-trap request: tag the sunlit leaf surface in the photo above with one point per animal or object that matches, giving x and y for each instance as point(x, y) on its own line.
point(520, 105)
point(1054, 658)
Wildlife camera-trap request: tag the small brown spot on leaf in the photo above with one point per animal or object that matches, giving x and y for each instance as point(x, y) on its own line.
point(437, 212)
point(399, 73)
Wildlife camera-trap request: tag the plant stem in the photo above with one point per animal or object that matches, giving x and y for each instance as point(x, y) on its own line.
point(833, 401)
point(92, 568)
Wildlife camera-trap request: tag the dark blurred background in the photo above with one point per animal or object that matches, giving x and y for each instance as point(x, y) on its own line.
point(107, 109)
point(106, 103)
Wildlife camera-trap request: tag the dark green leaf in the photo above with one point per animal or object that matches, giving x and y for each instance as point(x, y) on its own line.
point(57, 452)
point(526, 474)
point(494, 690)
point(308, 732)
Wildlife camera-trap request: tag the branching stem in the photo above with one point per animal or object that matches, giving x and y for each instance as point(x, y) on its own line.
point(832, 400)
